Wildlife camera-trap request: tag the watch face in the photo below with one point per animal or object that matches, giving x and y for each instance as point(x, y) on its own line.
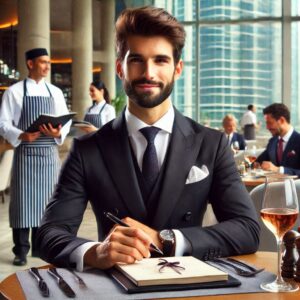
point(167, 235)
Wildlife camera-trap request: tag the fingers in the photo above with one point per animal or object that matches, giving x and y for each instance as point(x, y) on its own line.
point(123, 245)
point(49, 130)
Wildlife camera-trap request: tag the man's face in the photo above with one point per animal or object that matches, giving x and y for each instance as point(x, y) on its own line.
point(39, 67)
point(273, 125)
point(148, 71)
point(229, 126)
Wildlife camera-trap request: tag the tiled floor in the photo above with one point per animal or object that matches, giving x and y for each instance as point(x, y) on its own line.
point(88, 230)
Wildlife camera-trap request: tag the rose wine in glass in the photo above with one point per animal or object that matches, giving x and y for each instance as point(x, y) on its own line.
point(250, 155)
point(279, 213)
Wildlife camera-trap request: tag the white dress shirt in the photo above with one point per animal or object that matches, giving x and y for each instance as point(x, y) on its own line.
point(107, 114)
point(248, 118)
point(12, 103)
point(139, 144)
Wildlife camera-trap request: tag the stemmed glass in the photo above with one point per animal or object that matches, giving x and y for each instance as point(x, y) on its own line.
point(279, 213)
point(250, 155)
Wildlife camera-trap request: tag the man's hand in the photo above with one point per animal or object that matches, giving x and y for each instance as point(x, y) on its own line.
point(268, 166)
point(123, 244)
point(29, 136)
point(151, 232)
point(48, 130)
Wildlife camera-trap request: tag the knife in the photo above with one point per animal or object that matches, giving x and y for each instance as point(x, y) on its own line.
point(41, 282)
point(61, 283)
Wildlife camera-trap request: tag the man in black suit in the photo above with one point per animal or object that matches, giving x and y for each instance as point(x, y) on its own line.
point(282, 154)
point(235, 140)
point(163, 201)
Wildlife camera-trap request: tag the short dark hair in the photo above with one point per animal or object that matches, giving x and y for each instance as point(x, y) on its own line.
point(250, 106)
point(149, 21)
point(99, 84)
point(278, 110)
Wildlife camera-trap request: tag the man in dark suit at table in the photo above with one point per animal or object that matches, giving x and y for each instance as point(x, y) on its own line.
point(235, 140)
point(160, 188)
point(282, 154)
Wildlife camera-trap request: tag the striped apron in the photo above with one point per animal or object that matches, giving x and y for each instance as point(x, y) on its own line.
point(94, 119)
point(35, 167)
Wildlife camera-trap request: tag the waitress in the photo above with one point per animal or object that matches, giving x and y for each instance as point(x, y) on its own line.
point(101, 111)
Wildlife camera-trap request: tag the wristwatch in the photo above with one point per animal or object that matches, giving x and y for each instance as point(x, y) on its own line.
point(167, 238)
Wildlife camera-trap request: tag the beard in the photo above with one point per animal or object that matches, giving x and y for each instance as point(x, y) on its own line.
point(147, 99)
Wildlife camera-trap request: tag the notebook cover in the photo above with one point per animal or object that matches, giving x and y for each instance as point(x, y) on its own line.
point(131, 288)
point(45, 119)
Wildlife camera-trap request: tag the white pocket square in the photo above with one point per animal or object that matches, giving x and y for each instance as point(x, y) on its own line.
point(197, 174)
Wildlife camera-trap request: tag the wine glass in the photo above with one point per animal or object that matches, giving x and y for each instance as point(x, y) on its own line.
point(279, 213)
point(250, 155)
point(235, 147)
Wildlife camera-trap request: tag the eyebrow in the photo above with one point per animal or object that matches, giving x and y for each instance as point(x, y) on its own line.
point(159, 56)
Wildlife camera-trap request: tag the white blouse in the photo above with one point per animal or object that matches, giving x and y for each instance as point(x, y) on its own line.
point(11, 108)
point(108, 113)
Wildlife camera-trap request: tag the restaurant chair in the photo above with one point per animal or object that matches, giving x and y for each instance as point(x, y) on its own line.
point(5, 170)
point(267, 238)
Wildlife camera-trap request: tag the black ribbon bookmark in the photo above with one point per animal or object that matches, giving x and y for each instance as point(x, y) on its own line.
point(173, 265)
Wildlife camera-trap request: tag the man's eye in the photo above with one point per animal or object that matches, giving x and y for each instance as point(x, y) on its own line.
point(161, 60)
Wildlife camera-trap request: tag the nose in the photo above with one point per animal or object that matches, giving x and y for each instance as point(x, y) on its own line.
point(149, 70)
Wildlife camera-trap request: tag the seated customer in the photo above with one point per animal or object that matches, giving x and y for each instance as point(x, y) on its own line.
point(151, 166)
point(282, 154)
point(235, 140)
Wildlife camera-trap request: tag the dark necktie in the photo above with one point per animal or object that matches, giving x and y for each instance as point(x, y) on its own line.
point(279, 150)
point(150, 168)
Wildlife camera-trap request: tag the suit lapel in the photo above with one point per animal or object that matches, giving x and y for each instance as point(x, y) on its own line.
point(273, 151)
point(182, 153)
point(289, 147)
point(115, 148)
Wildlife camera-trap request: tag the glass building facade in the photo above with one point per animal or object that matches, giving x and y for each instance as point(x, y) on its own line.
point(236, 54)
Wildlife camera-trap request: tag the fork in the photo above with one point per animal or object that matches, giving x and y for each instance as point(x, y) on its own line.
point(237, 269)
point(241, 263)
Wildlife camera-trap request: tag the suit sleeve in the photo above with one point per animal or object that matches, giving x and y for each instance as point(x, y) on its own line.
point(56, 236)
point(264, 156)
point(238, 230)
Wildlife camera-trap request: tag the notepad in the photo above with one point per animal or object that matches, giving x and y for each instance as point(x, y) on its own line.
point(146, 272)
point(55, 121)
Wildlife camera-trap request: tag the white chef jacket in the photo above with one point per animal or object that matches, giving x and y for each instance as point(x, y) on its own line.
point(11, 107)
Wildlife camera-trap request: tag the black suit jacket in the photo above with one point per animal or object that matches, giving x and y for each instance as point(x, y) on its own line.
point(240, 139)
point(100, 168)
point(290, 157)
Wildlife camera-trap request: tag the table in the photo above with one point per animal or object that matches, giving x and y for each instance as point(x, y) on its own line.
point(11, 287)
point(253, 182)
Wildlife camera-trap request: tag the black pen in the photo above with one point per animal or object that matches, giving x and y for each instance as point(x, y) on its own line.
point(120, 222)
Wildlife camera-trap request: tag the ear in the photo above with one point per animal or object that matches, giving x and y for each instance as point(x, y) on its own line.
point(30, 64)
point(178, 69)
point(119, 69)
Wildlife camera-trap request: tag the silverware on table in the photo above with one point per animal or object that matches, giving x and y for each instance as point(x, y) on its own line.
point(238, 270)
point(78, 278)
point(41, 282)
point(241, 263)
point(62, 283)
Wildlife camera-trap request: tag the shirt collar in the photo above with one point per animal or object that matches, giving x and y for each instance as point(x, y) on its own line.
point(287, 136)
point(165, 123)
point(32, 81)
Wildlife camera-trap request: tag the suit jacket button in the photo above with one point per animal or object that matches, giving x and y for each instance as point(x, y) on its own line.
point(187, 216)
